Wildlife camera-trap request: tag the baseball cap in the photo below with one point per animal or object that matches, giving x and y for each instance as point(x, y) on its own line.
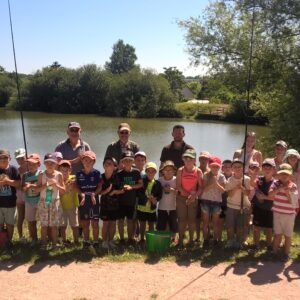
point(140, 153)
point(4, 152)
point(111, 159)
point(254, 164)
point(64, 162)
point(58, 155)
point(291, 152)
point(168, 163)
point(269, 161)
point(128, 155)
point(151, 165)
point(74, 125)
point(189, 153)
point(204, 154)
point(34, 158)
point(50, 157)
point(237, 161)
point(281, 143)
point(285, 169)
point(89, 154)
point(214, 161)
point(124, 126)
point(20, 153)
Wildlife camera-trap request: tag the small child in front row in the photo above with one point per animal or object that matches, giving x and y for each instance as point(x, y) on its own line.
point(88, 185)
point(50, 184)
point(236, 209)
point(285, 195)
point(146, 210)
point(167, 214)
point(69, 202)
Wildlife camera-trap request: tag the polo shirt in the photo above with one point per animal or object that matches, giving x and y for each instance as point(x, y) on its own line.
point(115, 150)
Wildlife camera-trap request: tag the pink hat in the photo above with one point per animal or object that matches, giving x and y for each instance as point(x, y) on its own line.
point(215, 161)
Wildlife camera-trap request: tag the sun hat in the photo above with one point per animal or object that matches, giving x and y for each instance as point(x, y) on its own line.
point(269, 161)
point(21, 152)
point(189, 153)
point(291, 152)
point(285, 169)
point(50, 157)
point(168, 163)
point(215, 161)
point(151, 165)
point(282, 143)
point(34, 158)
point(90, 154)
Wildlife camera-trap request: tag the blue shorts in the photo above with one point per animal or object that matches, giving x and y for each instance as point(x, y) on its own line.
point(210, 207)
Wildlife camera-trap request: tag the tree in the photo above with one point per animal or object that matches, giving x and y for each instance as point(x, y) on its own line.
point(122, 59)
point(176, 80)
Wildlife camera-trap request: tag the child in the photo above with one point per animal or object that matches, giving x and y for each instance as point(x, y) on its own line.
point(50, 184)
point(88, 185)
point(146, 210)
point(32, 197)
point(130, 179)
point(285, 195)
point(9, 182)
point(20, 156)
point(167, 205)
point(109, 205)
point(262, 204)
point(236, 209)
point(140, 159)
point(69, 202)
point(188, 184)
point(211, 200)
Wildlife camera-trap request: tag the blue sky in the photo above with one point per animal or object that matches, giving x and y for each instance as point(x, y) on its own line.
point(77, 32)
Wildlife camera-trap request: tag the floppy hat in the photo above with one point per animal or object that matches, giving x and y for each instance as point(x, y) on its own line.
point(291, 152)
point(20, 153)
point(151, 165)
point(34, 158)
point(285, 169)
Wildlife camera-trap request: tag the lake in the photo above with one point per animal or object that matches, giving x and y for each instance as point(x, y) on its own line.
point(44, 131)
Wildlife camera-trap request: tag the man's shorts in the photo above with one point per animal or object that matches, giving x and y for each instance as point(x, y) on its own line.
point(283, 223)
point(8, 215)
point(30, 212)
point(210, 207)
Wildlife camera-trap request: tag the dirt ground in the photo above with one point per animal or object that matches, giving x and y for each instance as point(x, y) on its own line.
point(139, 280)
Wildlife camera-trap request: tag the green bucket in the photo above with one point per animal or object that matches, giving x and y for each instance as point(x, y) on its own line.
point(158, 241)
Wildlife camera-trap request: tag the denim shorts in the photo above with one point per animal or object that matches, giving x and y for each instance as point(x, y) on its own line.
point(210, 207)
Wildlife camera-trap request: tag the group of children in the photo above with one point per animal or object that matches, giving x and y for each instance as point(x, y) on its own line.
point(216, 193)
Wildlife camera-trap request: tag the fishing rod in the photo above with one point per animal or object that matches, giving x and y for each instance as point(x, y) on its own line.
point(17, 78)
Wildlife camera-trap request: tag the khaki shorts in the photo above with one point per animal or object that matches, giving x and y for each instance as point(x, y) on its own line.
point(8, 215)
point(50, 214)
point(70, 216)
point(283, 223)
point(186, 212)
point(30, 212)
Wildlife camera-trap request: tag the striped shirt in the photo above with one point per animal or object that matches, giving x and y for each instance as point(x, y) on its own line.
point(282, 202)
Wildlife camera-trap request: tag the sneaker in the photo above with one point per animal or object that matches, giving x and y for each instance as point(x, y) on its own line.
point(205, 244)
point(105, 245)
point(122, 241)
point(269, 248)
point(253, 247)
point(131, 242)
point(43, 247)
point(86, 244)
point(217, 244)
point(112, 244)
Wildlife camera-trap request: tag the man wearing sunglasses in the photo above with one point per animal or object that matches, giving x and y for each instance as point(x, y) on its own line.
point(73, 147)
point(116, 149)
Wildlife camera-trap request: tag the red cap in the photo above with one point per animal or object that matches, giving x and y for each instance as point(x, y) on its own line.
point(89, 154)
point(215, 161)
point(34, 158)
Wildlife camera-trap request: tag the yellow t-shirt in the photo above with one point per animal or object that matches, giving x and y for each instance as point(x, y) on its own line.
point(70, 199)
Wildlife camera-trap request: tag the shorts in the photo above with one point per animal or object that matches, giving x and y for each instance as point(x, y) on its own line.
point(186, 212)
point(49, 214)
point(128, 212)
point(20, 197)
point(283, 223)
point(30, 211)
point(109, 215)
point(146, 216)
point(233, 217)
point(8, 215)
point(210, 207)
point(70, 216)
point(89, 211)
point(262, 217)
point(167, 217)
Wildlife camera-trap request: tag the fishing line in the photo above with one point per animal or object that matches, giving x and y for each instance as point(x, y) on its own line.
point(17, 77)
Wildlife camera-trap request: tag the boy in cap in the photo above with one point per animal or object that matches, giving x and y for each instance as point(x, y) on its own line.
point(20, 156)
point(130, 179)
point(32, 197)
point(152, 192)
point(285, 196)
point(9, 182)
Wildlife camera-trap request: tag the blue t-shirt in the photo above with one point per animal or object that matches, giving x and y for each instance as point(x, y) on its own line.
point(88, 183)
point(31, 196)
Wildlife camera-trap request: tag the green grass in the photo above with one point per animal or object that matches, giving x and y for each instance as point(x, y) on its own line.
point(23, 253)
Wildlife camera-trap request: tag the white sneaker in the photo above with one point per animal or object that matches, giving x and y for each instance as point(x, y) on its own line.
point(105, 245)
point(112, 244)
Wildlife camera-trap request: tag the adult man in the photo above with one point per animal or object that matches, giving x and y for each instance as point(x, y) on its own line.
point(177, 147)
point(116, 149)
point(73, 147)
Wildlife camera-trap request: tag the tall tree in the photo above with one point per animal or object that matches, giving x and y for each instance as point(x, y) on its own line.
point(176, 80)
point(122, 59)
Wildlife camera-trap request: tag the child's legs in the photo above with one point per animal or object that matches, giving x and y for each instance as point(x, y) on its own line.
point(32, 230)
point(162, 220)
point(85, 224)
point(105, 229)
point(121, 228)
point(205, 223)
point(151, 225)
point(54, 234)
point(130, 229)
point(44, 234)
point(287, 244)
point(256, 235)
point(21, 217)
point(182, 213)
point(288, 228)
point(276, 242)
point(217, 231)
point(269, 236)
point(95, 226)
point(192, 213)
point(62, 230)
point(10, 231)
point(231, 217)
point(75, 233)
point(111, 230)
point(246, 219)
point(142, 229)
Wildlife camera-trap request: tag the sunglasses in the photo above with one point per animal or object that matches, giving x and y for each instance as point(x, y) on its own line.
point(124, 132)
point(74, 129)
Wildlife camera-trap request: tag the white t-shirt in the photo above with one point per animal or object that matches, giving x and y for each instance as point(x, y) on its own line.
point(234, 201)
point(214, 194)
point(168, 200)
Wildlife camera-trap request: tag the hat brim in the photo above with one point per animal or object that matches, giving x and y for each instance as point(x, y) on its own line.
point(188, 155)
point(285, 172)
point(51, 160)
point(34, 161)
point(19, 156)
point(128, 158)
point(215, 164)
point(89, 156)
point(124, 128)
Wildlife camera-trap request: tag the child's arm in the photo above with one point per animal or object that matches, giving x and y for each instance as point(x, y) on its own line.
point(136, 186)
point(60, 183)
point(39, 185)
point(16, 183)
